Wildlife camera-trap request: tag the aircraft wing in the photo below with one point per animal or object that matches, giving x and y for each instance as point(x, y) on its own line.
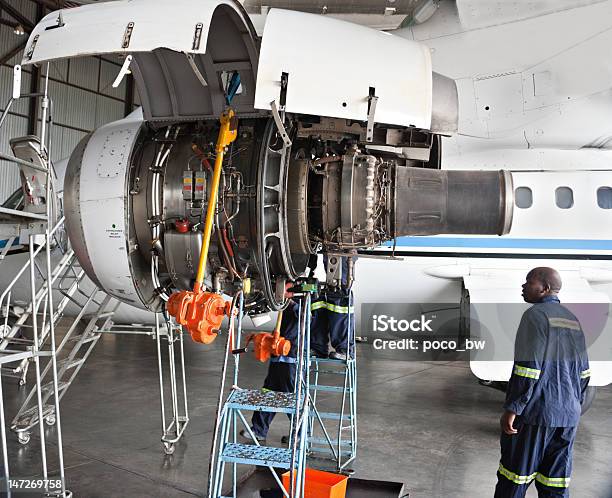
point(475, 14)
point(496, 308)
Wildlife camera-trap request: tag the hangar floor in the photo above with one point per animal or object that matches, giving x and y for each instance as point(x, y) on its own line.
point(429, 425)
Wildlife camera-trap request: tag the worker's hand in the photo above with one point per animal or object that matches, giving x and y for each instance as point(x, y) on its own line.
point(507, 421)
point(288, 285)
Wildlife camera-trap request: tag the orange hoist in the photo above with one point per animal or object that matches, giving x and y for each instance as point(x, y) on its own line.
point(202, 312)
point(268, 345)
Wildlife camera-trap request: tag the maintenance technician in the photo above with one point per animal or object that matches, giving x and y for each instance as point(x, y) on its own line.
point(281, 372)
point(333, 313)
point(545, 394)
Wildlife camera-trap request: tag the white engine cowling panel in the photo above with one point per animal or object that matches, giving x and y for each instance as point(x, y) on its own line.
point(217, 35)
point(103, 28)
point(332, 72)
point(96, 206)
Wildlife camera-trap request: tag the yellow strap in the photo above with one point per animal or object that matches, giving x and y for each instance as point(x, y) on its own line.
point(585, 374)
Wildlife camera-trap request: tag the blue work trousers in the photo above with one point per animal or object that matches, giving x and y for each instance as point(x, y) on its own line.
point(330, 324)
point(281, 378)
point(536, 453)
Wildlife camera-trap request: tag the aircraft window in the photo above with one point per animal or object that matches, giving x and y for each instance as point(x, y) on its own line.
point(523, 197)
point(604, 197)
point(564, 197)
point(15, 201)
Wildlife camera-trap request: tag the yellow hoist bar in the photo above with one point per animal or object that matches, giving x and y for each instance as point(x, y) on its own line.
point(227, 134)
point(200, 311)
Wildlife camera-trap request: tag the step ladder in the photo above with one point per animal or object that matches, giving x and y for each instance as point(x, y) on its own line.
point(333, 434)
point(72, 352)
point(66, 279)
point(172, 430)
point(228, 451)
point(39, 222)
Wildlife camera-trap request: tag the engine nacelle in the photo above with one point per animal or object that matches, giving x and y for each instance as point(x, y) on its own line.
point(357, 166)
point(136, 196)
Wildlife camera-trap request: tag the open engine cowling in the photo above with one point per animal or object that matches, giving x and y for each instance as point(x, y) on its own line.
point(351, 160)
point(136, 196)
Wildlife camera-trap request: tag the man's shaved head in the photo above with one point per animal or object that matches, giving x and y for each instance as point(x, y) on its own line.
point(541, 282)
point(548, 276)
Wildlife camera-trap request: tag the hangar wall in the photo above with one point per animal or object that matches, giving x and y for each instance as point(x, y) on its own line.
point(81, 90)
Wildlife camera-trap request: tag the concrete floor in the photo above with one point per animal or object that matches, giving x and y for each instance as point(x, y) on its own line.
point(428, 425)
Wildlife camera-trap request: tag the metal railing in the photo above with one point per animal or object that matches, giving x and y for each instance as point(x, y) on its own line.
point(17, 220)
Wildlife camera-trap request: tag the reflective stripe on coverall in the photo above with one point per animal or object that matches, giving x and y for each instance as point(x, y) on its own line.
point(546, 390)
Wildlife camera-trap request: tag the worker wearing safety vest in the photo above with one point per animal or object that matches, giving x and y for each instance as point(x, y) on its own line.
point(544, 395)
point(333, 318)
point(281, 373)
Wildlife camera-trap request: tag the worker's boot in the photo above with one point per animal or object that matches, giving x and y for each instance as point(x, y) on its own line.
point(245, 434)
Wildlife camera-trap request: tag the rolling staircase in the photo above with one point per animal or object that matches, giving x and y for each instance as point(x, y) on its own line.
point(228, 452)
point(72, 352)
point(333, 434)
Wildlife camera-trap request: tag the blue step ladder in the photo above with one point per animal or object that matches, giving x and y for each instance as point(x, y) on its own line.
point(226, 450)
point(333, 435)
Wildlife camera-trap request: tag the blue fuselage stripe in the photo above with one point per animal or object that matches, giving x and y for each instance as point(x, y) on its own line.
point(505, 243)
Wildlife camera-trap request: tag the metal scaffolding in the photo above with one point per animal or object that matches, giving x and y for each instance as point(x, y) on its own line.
point(341, 381)
point(173, 431)
point(40, 222)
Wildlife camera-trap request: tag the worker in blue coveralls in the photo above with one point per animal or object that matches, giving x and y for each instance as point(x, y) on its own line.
point(332, 313)
point(545, 394)
point(281, 372)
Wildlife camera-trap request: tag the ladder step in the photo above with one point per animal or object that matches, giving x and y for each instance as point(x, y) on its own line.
point(70, 363)
point(330, 415)
point(77, 338)
point(60, 386)
point(331, 389)
point(89, 316)
point(333, 372)
point(17, 340)
point(346, 453)
point(329, 360)
point(322, 440)
point(250, 454)
point(262, 401)
point(30, 416)
point(69, 276)
point(18, 215)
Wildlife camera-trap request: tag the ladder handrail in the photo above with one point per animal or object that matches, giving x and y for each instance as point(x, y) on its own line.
point(40, 295)
point(228, 348)
point(10, 286)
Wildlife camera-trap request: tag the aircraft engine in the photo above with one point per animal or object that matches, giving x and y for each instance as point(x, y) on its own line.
point(278, 204)
point(330, 156)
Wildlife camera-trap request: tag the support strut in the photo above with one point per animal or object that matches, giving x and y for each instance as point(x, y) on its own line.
point(200, 311)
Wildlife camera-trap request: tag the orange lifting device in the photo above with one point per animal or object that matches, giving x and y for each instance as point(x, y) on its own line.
point(202, 312)
point(268, 345)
